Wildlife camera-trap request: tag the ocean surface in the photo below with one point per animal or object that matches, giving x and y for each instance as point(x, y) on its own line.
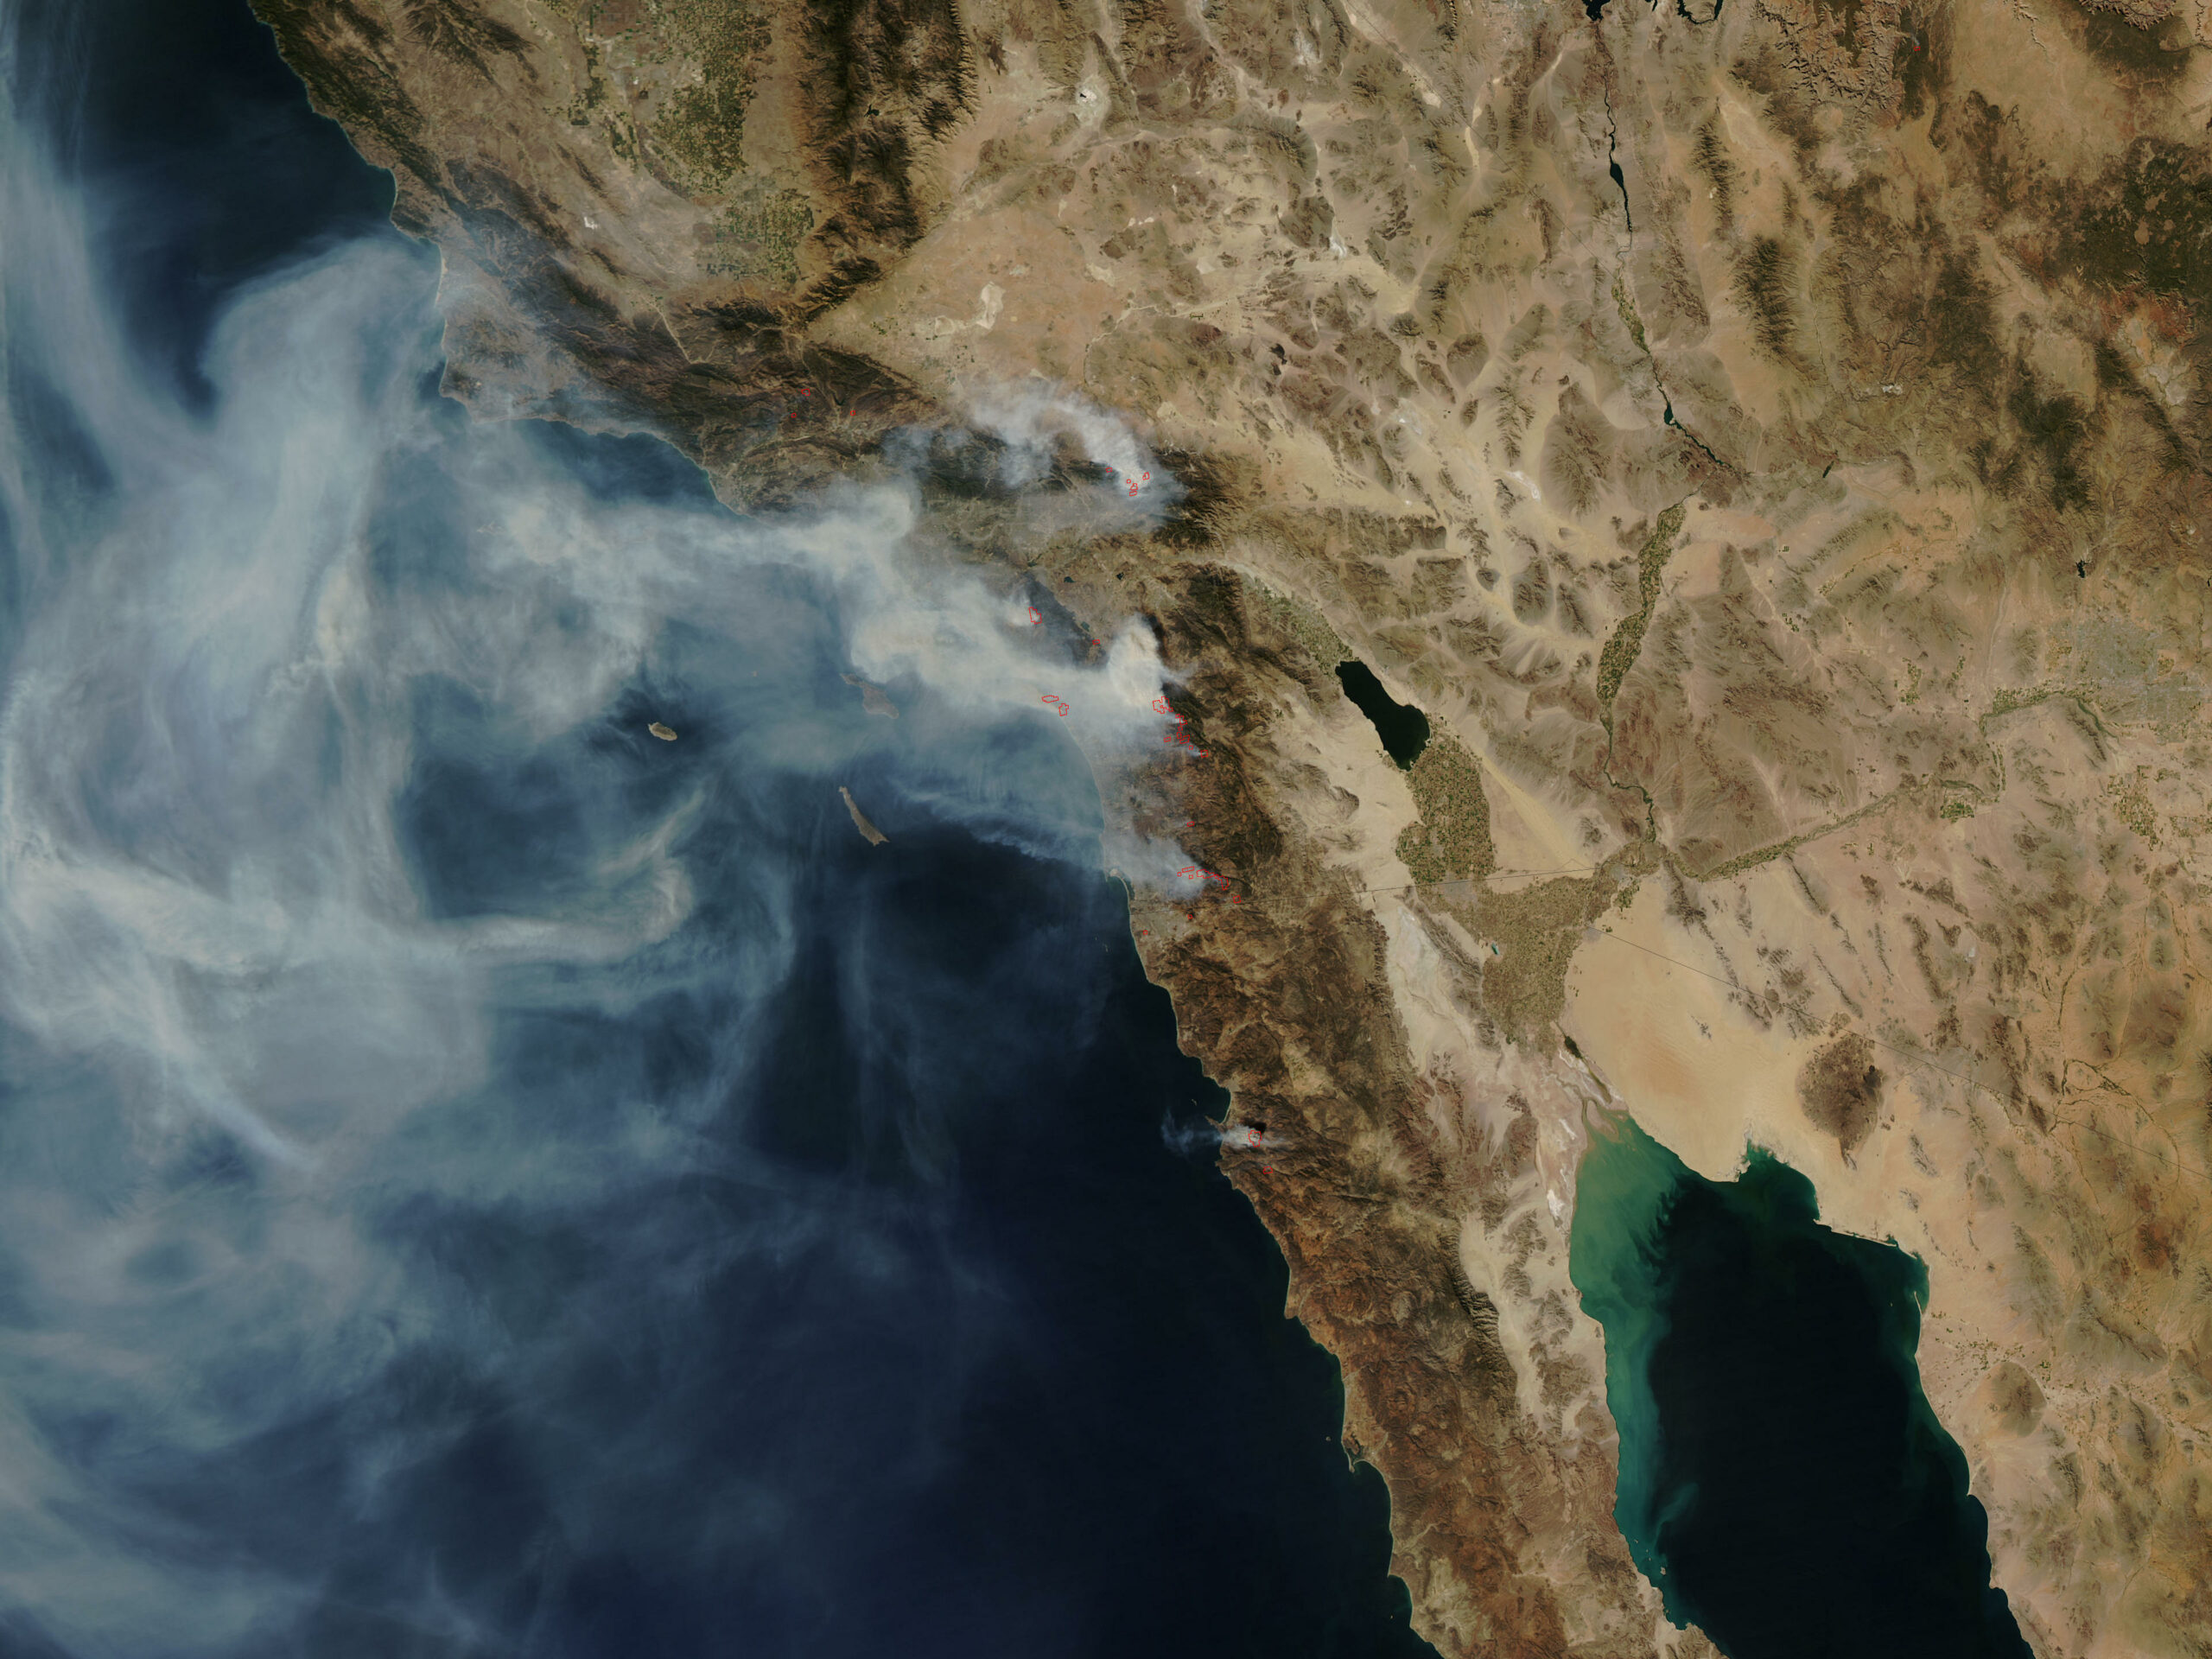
point(1783, 1479)
point(475, 1177)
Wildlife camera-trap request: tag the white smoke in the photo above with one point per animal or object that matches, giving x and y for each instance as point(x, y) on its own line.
point(238, 1027)
point(1035, 419)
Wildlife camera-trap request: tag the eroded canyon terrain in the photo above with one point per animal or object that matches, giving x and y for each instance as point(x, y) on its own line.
point(1768, 442)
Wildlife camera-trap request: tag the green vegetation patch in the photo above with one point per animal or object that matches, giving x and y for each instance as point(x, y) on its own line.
point(704, 131)
point(1304, 626)
point(1619, 655)
point(2009, 697)
point(757, 238)
point(1626, 306)
point(2131, 804)
point(1451, 839)
point(1758, 856)
point(1530, 938)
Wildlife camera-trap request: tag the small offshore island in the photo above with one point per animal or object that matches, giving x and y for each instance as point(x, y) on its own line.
point(1783, 1479)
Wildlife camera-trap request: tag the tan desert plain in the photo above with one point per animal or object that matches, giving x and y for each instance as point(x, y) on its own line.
point(1768, 440)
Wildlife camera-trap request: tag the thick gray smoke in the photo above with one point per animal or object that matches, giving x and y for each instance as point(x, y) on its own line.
point(325, 786)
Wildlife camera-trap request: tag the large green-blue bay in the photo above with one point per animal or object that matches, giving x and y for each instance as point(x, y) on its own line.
point(1784, 1480)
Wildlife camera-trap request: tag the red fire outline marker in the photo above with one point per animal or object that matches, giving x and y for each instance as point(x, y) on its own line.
point(1179, 738)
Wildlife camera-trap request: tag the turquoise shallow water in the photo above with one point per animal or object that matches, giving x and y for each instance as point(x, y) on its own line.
point(1784, 1480)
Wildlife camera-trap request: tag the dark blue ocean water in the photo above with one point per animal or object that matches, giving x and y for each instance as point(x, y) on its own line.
point(480, 1179)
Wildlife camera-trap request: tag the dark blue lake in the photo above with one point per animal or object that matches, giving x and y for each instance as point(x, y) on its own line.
point(478, 1178)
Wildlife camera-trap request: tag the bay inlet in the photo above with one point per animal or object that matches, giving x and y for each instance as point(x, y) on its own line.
point(1784, 1480)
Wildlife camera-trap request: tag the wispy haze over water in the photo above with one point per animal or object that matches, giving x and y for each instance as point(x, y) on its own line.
point(476, 1177)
